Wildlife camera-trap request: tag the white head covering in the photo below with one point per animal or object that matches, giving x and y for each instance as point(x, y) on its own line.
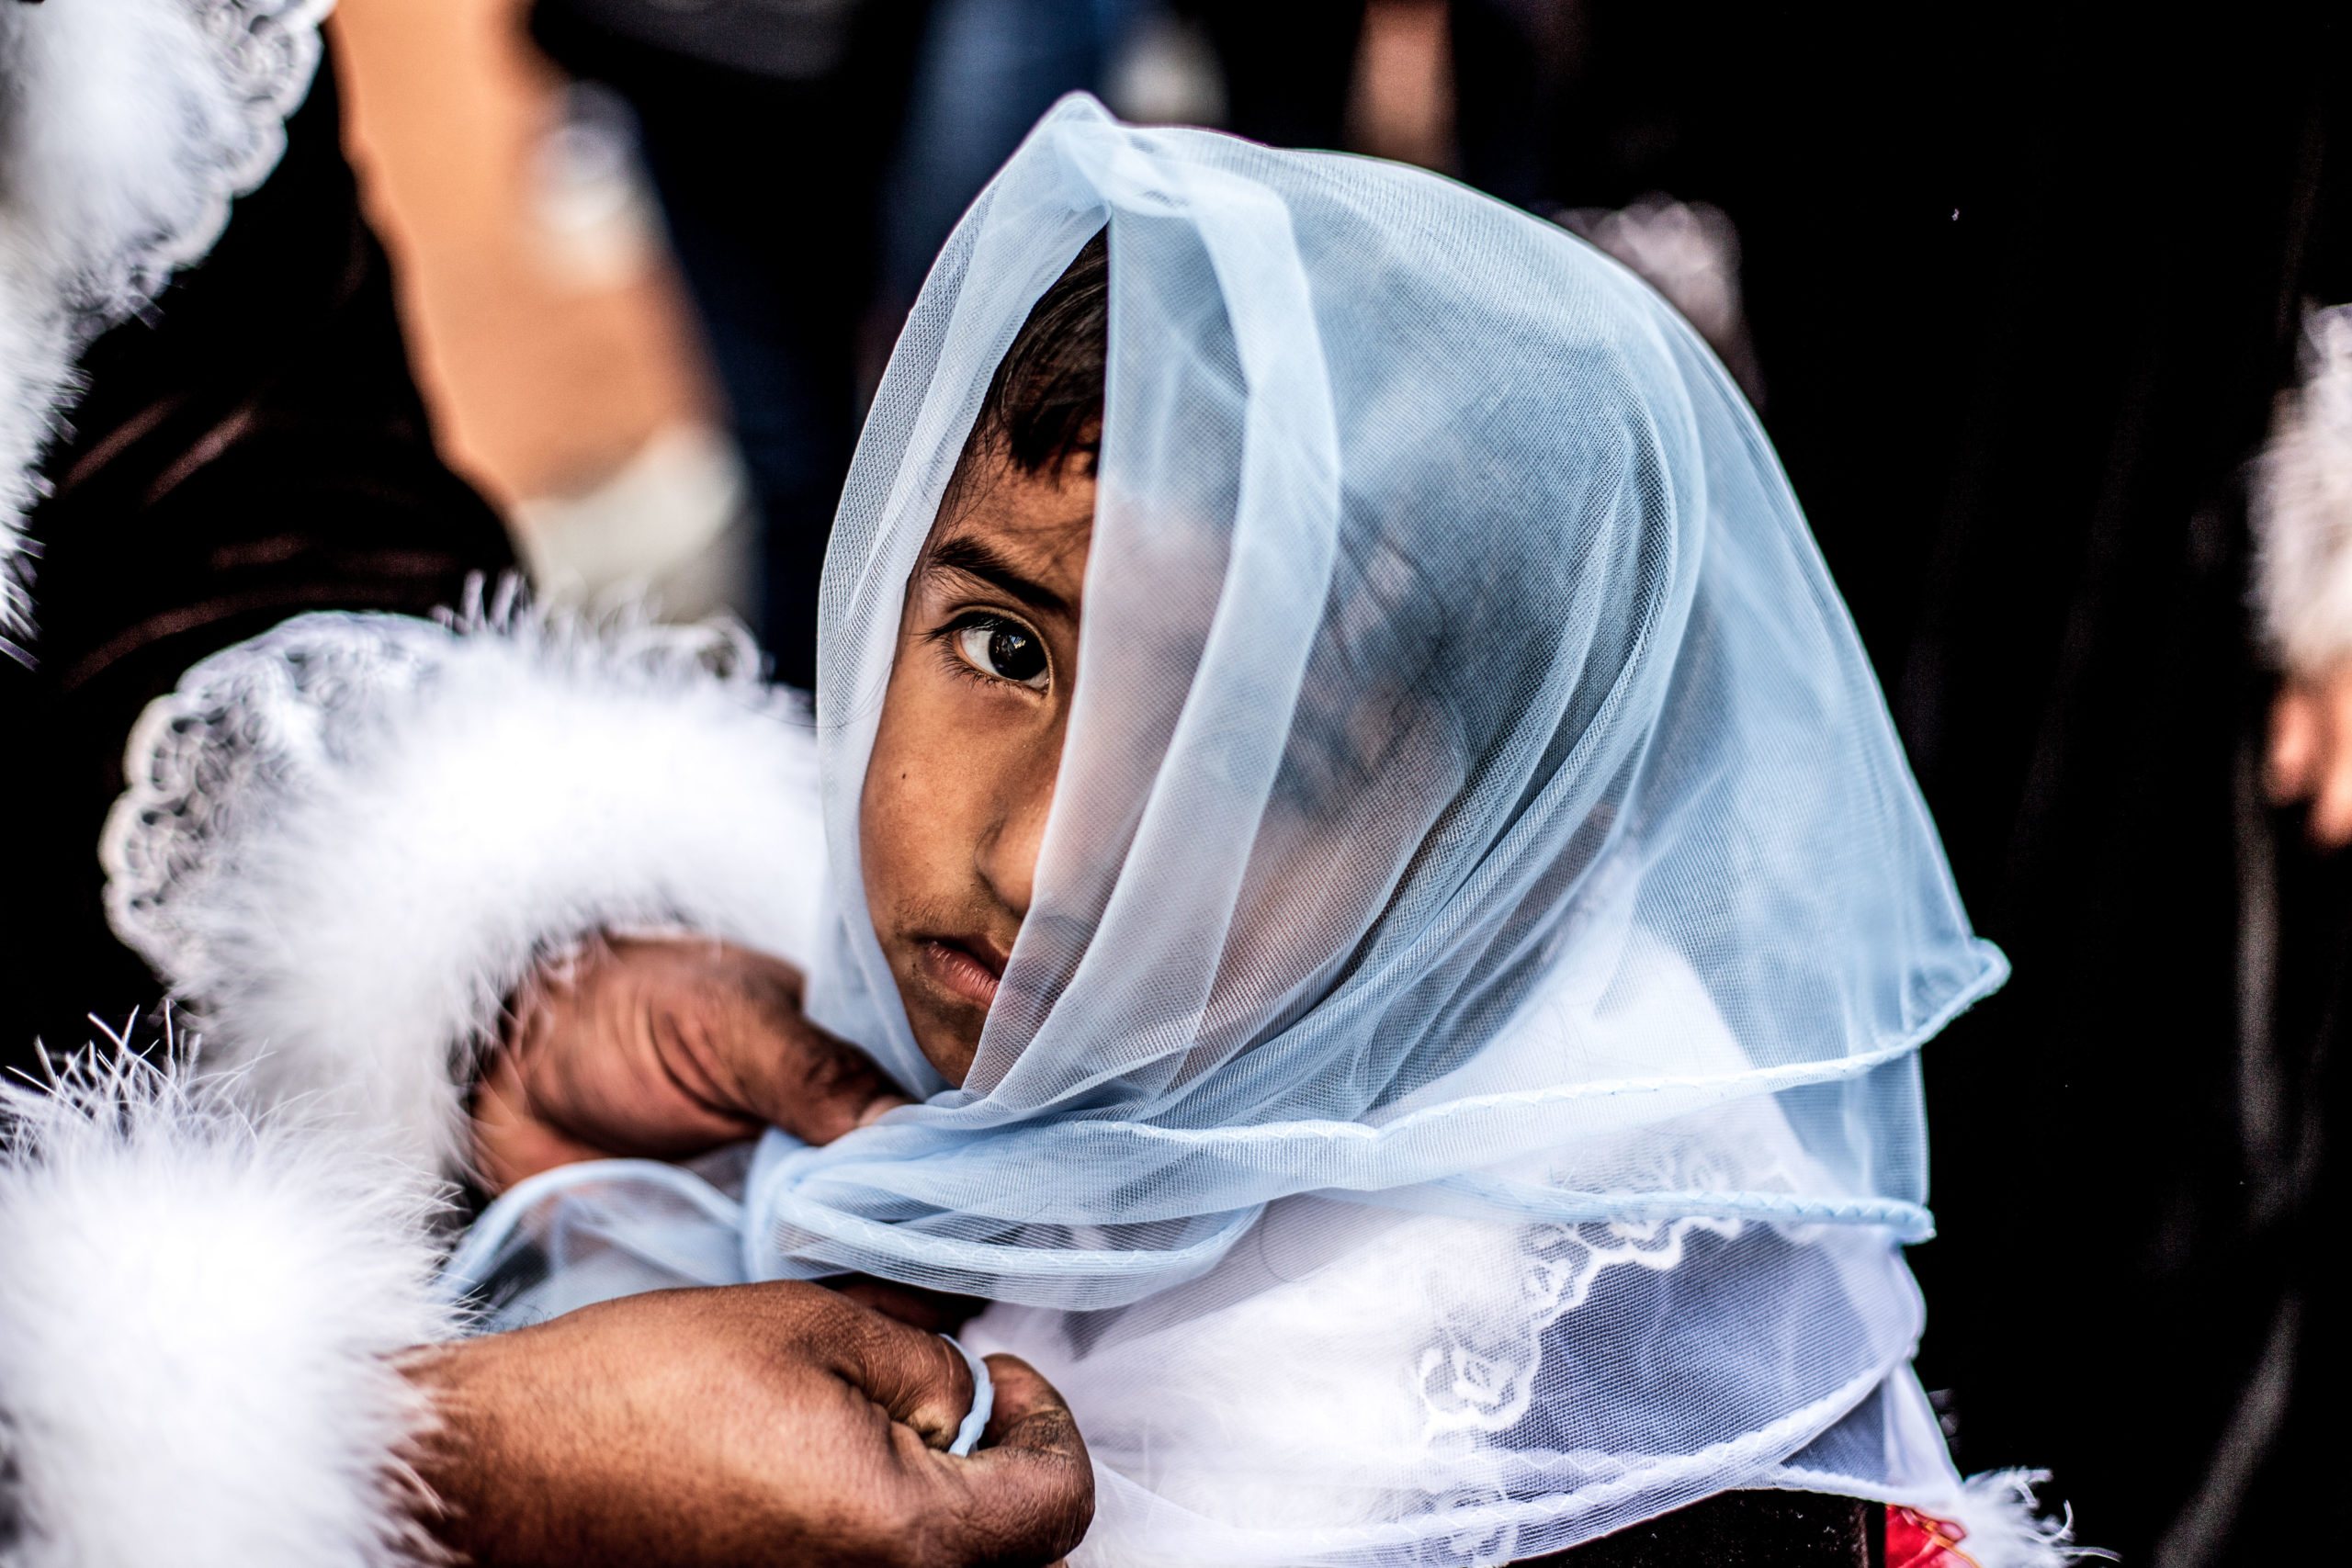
point(1455, 1092)
point(1458, 678)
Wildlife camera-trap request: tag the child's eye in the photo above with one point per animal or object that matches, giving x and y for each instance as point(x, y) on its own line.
point(1006, 650)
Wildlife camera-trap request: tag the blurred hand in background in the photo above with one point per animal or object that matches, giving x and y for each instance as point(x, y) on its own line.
point(2311, 751)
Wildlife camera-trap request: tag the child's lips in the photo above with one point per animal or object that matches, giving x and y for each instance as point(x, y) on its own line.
point(959, 970)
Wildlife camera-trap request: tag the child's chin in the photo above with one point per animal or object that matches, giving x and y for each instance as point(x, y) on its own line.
point(949, 1036)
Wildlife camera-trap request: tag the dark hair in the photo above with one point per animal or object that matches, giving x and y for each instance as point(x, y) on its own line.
point(1044, 404)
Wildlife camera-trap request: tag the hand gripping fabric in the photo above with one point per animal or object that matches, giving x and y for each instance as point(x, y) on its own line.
point(1454, 1093)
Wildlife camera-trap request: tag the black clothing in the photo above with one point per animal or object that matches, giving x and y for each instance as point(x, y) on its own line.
point(772, 184)
point(1743, 1530)
point(800, 41)
point(1290, 71)
point(253, 448)
point(2023, 282)
point(1288, 68)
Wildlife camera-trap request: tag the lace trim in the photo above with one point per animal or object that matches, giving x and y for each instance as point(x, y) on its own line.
point(265, 53)
point(245, 728)
point(1479, 1374)
point(268, 51)
point(211, 763)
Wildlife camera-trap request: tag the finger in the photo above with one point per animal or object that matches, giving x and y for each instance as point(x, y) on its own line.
point(511, 1141)
point(813, 1084)
point(2330, 770)
point(1029, 1492)
point(1025, 1401)
point(736, 1041)
point(932, 1310)
point(629, 1079)
point(920, 1380)
point(2294, 727)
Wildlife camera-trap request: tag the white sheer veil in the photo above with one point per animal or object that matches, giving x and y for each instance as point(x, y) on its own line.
point(1457, 672)
point(1455, 1092)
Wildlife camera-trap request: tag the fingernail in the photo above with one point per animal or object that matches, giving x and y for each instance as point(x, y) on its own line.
point(881, 1108)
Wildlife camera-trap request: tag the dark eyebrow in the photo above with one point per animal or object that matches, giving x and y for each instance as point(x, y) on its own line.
point(976, 559)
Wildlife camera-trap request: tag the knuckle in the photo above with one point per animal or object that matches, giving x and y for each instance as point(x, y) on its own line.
point(907, 1524)
point(1035, 1524)
point(858, 1530)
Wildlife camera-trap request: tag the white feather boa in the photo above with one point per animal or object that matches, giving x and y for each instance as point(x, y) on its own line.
point(126, 129)
point(197, 1313)
point(2302, 507)
point(345, 842)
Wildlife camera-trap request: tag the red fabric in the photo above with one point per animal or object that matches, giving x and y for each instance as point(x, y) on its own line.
point(1915, 1540)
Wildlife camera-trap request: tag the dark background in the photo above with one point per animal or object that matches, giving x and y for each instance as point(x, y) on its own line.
point(2022, 283)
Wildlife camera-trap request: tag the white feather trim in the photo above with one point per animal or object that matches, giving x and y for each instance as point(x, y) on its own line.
point(196, 1312)
point(2006, 1527)
point(346, 841)
point(2302, 506)
point(126, 129)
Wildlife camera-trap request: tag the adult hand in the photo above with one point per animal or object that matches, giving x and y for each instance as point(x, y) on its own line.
point(2311, 751)
point(662, 1048)
point(749, 1424)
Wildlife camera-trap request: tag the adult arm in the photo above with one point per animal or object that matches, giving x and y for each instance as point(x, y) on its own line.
point(249, 447)
point(219, 1344)
point(349, 842)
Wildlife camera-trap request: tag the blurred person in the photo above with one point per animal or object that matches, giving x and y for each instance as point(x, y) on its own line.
point(2302, 516)
point(768, 130)
point(1288, 69)
point(1292, 73)
point(218, 1336)
point(2071, 254)
point(191, 459)
point(1419, 1039)
point(989, 69)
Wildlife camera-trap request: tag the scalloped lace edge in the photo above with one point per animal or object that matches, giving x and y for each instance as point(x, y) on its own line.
point(267, 53)
point(211, 762)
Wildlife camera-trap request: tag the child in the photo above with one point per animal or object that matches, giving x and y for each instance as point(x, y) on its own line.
point(1414, 1007)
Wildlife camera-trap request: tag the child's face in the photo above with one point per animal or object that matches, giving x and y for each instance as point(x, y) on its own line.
point(970, 740)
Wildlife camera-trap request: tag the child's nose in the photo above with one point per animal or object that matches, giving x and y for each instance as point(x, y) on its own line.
point(1007, 857)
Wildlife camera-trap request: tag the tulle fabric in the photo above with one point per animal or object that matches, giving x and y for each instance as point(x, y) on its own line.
point(1463, 717)
point(1455, 1091)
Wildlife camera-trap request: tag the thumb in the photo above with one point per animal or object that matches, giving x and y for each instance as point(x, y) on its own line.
point(817, 1085)
point(1028, 1414)
point(1030, 1487)
point(2294, 742)
point(920, 1380)
point(791, 1074)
